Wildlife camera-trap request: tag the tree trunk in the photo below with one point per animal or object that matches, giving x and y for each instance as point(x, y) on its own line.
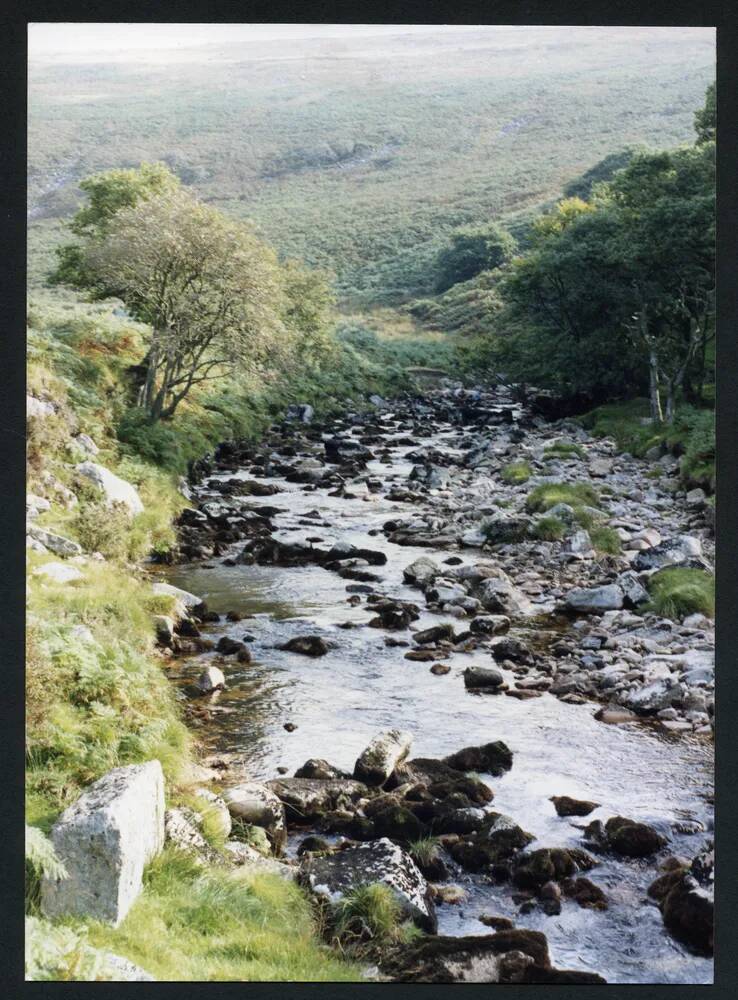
point(653, 387)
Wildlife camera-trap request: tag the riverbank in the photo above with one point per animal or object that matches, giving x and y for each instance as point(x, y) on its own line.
point(281, 708)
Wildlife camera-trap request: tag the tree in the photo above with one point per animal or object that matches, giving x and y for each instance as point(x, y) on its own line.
point(705, 119)
point(107, 193)
point(207, 287)
point(473, 249)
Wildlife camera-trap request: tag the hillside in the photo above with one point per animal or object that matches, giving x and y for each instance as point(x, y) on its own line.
point(360, 155)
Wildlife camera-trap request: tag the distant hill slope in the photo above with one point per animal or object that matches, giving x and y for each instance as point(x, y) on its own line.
point(361, 155)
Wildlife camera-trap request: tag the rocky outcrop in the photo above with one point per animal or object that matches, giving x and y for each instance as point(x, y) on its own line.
point(104, 841)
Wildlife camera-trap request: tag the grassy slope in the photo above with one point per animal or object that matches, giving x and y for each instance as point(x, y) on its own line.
point(342, 152)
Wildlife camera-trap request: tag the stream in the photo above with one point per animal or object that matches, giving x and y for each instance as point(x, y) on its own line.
point(339, 701)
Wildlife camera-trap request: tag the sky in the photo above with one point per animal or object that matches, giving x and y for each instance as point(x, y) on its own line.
point(47, 39)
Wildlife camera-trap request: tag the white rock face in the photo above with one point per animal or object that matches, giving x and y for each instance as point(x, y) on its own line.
point(35, 505)
point(104, 840)
point(184, 596)
point(257, 804)
point(58, 572)
point(57, 544)
point(382, 756)
point(116, 490)
point(86, 444)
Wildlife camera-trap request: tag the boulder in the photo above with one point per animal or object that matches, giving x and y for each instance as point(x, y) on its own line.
point(482, 678)
point(686, 899)
point(498, 839)
point(39, 408)
point(258, 805)
point(116, 490)
point(36, 505)
point(498, 595)
point(331, 876)
point(421, 572)
point(566, 806)
point(503, 529)
point(247, 857)
point(434, 634)
point(490, 625)
point(585, 892)
point(321, 769)
point(300, 412)
point(594, 600)
point(104, 841)
point(183, 596)
point(549, 864)
point(653, 697)
point(211, 679)
point(634, 593)
point(307, 799)
point(682, 550)
point(509, 956)
point(381, 757)
point(58, 544)
point(625, 836)
point(183, 828)
point(491, 758)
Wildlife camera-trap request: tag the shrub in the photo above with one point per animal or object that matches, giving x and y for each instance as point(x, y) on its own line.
point(679, 591)
point(548, 495)
point(104, 529)
point(516, 472)
point(549, 529)
point(40, 860)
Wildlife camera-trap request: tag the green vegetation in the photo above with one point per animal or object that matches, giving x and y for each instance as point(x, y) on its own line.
point(516, 473)
point(677, 592)
point(471, 250)
point(605, 540)
point(563, 449)
point(340, 151)
point(547, 495)
point(549, 529)
point(369, 913)
point(424, 851)
point(193, 925)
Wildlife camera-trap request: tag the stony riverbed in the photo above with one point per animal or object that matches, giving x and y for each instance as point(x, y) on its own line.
point(380, 574)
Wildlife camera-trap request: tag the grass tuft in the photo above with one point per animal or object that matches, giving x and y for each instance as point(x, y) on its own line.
point(547, 495)
point(563, 449)
point(516, 473)
point(605, 540)
point(549, 529)
point(679, 591)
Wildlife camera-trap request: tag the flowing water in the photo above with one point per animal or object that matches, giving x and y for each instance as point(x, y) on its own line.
point(341, 700)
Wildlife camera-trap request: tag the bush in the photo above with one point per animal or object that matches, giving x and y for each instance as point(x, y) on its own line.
point(424, 851)
point(549, 529)
point(549, 494)
point(40, 860)
point(103, 529)
point(678, 591)
point(516, 473)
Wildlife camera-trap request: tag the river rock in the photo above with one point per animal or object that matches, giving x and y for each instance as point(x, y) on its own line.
point(104, 841)
point(211, 679)
point(385, 752)
point(653, 697)
point(634, 593)
point(434, 634)
point(310, 798)
point(307, 645)
point(482, 678)
point(491, 758)
point(566, 806)
point(684, 549)
point(183, 596)
point(257, 804)
point(686, 900)
point(500, 596)
point(594, 600)
point(115, 489)
point(585, 892)
point(300, 412)
point(331, 876)
point(533, 870)
point(490, 625)
point(321, 769)
point(248, 858)
point(498, 839)
point(625, 836)
point(421, 572)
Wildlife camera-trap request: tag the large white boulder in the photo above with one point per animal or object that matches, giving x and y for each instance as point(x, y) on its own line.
point(258, 805)
point(116, 490)
point(58, 572)
point(104, 841)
